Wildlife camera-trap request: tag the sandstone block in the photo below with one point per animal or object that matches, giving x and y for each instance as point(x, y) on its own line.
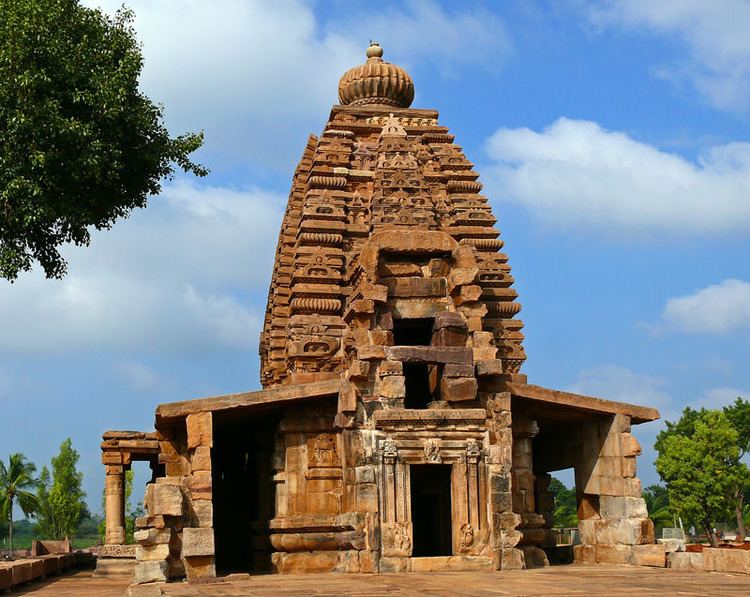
point(203, 513)
point(685, 561)
point(458, 389)
point(359, 369)
point(153, 536)
point(487, 353)
point(457, 370)
point(613, 554)
point(584, 554)
point(672, 545)
point(147, 590)
point(164, 499)
point(622, 507)
point(489, 368)
point(147, 553)
point(737, 561)
point(390, 368)
point(370, 352)
point(393, 386)
point(648, 555)
point(199, 429)
point(509, 559)
point(198, 542)
point(630, 445)
point(449, 337)
point(625, 531)
point(587, 531)
point(143, 522)
point(365, 474)
point(152, 571)
point(201, 459)
point(200, 568)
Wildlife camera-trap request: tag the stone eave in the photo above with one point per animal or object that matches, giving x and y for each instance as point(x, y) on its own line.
point(280, 395)
point(637, 414)
point(384, 110)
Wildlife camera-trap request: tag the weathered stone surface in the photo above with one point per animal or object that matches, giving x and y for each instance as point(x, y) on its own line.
point(164, 500)
point(153, 536)
point(151, 571)
point(199, 429)
point(144, 553)
point(672, 545)
point(197, 542)
point(685, 561)
point(625, 531)
point(201, 460)
point(726, 560)
point(613, 554)
point(458, 389)
point(622, 507)
point(648, 555)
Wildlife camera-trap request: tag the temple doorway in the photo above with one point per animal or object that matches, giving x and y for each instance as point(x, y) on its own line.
point(243, 498)
point(431, 510)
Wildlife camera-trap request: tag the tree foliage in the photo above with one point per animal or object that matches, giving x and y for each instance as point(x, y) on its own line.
point(657, 503)
point(565, 513)
point(80, 145)
point(16, 485)
point(62, 505)
point(702, 469)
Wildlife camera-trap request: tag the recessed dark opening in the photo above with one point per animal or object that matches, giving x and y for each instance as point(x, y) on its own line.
point(243, 494)
point(413, 332)
point(431, 510)
point(419, 390)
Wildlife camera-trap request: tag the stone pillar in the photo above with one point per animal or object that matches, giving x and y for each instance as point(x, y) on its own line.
point(503, 520)
point(524, 490)
point(114, 505)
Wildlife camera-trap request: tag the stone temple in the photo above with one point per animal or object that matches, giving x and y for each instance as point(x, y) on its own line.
point(395, 430)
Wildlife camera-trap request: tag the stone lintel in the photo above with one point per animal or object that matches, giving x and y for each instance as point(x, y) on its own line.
point(277, 395)
point(638, 414)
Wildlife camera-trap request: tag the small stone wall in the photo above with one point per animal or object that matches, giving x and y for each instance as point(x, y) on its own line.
point(23, 571)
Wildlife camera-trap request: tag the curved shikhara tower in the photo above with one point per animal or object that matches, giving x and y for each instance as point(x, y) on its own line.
point(386, 183)
point(394, 430)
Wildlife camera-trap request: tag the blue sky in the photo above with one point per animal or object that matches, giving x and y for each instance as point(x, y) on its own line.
point(613, 139)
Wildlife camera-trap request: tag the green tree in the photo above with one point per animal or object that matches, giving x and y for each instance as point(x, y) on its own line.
point(738, 414)
point(44, 528)
point(565, 513)
point(62, 505)
point(702, 470)
point(80, 145)
point(16, 482)
point(657, 503)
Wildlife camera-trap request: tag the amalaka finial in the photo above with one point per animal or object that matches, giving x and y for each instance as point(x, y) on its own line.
point(374, 51)
point(376, 82)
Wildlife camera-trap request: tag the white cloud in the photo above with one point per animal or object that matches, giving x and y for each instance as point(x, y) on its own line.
point(719, 397)
point(717, 309)
point(577, 174)
point(717, 61)
point(258, 76)
point(138, 376)
point(614, 382)
point(188, 274)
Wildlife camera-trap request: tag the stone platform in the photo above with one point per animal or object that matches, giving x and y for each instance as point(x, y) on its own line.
point(558, 580)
